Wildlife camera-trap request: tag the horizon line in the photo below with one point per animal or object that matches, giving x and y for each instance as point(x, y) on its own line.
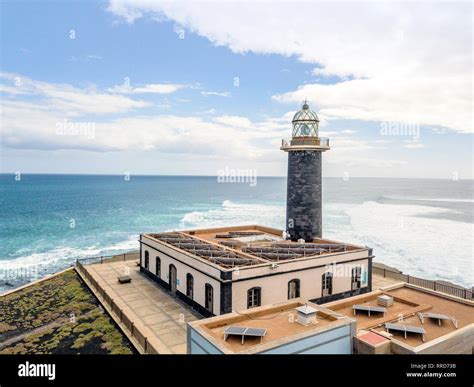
point(216, 176)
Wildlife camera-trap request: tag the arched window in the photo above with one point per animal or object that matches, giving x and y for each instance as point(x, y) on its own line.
point(356, 278)
point(293, 289)
point(209, 304)
point(147, 259)
point(158, 267)
point(327, 284)
point(190, 286)
point(254, 297)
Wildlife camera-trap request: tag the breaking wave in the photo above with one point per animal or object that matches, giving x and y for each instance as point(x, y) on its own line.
point(428, 247)
point(36, 265)
point(231, 213)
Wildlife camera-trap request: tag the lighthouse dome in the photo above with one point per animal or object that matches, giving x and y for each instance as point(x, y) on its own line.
point(305, 122)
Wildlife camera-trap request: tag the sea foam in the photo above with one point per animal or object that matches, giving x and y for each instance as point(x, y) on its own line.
point(412, 239)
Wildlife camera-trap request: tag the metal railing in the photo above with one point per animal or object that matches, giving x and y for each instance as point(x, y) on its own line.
point(109, 258)
point(457, 291)
point(107, 300)
point(308, 141)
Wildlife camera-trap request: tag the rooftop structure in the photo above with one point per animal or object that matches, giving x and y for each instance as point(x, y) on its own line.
point(218, 270)
point(304, 184)
point(328, 333)
point(242, 246)
point(434, 322)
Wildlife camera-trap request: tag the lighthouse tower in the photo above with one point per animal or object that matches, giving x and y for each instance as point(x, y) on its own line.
point(304, 196)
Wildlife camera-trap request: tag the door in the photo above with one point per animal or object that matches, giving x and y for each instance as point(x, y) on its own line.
point(209, 298)
point(173, 278)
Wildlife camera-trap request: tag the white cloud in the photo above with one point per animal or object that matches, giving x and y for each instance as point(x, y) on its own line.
point(236, 121)
point(155, 88)
point(67, 117)
point(236, 139)
point(413, 144)
point(349, 131)
point(396, 61)
point(94, 57)
point(67, 98)
point(216, 93)
point(209, 111)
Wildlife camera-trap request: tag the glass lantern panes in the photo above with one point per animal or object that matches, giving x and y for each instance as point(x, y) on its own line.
point(305, 122)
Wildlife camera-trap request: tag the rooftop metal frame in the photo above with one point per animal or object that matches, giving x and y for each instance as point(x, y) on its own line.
point(286, 251)
point(213, 253)
point(230, 253)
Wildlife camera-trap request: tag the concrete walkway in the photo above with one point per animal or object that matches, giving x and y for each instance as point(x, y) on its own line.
point(146, 304)
point(379, 281)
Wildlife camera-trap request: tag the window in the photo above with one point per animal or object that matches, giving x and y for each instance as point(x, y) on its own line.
point(254, 297)
point(327, 284)
point(355, 278)
point(158, 266)
point(209, 298)
point(293, 289)
point(189, 286)
point(147, 259)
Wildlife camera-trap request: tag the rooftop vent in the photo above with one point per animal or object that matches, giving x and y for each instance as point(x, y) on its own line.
point(306, 315)
point(385, 300)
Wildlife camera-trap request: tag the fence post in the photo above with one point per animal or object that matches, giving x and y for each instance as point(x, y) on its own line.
point(408, 278)
point(434, 285)
point(101, 259)
point(383, 273)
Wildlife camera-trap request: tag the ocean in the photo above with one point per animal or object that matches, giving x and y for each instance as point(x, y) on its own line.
point(423, 227)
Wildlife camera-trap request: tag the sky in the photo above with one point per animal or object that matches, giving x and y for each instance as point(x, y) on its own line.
point(195, 88)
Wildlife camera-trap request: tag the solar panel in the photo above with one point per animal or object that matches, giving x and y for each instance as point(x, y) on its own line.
point(439, 317)
point(369, 309)
point(234, 331)
point(405, 328)
point(255, 332)
point(242, 331)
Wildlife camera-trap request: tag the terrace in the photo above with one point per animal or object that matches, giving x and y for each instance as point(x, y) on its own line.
point(153, 320)
point(410, 306)
point(279, 321)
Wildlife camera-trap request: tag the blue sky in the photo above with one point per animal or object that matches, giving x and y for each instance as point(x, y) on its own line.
point(193, 88)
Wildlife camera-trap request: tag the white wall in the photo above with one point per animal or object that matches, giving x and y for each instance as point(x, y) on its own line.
point(275, 287)
point(182, 269)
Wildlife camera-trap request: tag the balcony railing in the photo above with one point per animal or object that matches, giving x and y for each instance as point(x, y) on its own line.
point(306, 141)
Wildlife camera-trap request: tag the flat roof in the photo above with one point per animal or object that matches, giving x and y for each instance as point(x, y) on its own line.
point(280, 321)
point(408, 301)
point(239, 246)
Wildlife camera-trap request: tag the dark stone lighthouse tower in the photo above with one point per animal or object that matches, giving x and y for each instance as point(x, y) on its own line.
point(304, 196)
